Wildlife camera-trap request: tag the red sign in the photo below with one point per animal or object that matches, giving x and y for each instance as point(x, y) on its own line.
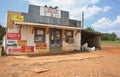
point(14, 36)
point(21, 49)
point(41, 46)
point(28, 48)
point(15, 49)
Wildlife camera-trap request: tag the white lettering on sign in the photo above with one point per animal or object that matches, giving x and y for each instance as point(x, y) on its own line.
point(50, 12)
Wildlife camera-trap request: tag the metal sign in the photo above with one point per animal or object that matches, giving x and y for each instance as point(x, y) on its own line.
point(14, 36)
point(17, 18)
point(50, 12)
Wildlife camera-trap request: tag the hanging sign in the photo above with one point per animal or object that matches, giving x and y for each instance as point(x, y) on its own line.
point(17, 18)
point(14, 36)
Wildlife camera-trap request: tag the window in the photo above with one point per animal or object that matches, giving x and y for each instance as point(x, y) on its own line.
point(69, 36)
point(39, 35)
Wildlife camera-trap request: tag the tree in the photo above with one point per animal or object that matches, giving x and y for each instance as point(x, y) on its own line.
point(2, 30)
point(90, 29)
point(114, 36)
point(109, 36)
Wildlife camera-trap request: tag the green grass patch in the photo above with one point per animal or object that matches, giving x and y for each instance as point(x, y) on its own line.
point(112, 43)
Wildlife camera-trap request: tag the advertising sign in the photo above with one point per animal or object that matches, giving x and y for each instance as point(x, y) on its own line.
point(50, 12)
point(28, 48)
point(17, 18)
point(11, 42)
point(13, 30)
point(15, 49)
point(41, 46)
point(23, 49)
point(14, 36)
point(22, 42)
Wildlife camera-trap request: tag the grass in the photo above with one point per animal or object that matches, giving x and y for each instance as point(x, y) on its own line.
point(112, 43)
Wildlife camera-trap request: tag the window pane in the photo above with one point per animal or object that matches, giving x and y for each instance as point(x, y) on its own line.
point(39, 35)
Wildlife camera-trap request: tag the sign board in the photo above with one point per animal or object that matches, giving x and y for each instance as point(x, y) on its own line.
point(28, 48)
point(14, 36)
point(17, 18)
point(22, 42)
point(41, 46)
point(50, 12)
point(15, 49)
point(11, 42)
point(23, 49)
point(13, 30)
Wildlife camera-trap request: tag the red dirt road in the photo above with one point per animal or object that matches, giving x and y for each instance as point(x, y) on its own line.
point(103, 63)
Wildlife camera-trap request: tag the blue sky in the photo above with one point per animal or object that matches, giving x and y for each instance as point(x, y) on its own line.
point(102, 15)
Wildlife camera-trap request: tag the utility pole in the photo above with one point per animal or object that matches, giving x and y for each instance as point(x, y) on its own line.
point(82, 19)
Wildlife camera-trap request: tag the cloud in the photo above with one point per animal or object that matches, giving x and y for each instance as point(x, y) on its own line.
point(115, 31)
point(102, 23)
point(106, 8)
point(75, 7)
point(106, 25)
point(91, 11)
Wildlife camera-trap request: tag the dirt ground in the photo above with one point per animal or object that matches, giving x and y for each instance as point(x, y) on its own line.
point(102, 63)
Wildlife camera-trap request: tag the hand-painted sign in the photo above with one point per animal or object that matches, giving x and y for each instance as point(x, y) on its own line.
point(13, 30)
point(28, 48)
point(11, 42)
point(17, 18)
point(15, 49)
point(22, 43)
point(50, 12)
point(14, 36)
point(41, 46)
point(23, 49)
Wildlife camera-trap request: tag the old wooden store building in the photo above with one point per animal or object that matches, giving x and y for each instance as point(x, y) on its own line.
point(41, 30)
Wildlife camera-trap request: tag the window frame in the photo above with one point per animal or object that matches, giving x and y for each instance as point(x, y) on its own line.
point(39, 35)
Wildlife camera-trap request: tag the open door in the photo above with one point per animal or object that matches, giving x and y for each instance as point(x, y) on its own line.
point(55, 39)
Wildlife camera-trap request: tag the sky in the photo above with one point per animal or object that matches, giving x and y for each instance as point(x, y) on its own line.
point(101, 15)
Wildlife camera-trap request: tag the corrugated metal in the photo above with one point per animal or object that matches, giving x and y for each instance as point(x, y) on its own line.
point(26, 33)
point(74, 23)
point(34, 16)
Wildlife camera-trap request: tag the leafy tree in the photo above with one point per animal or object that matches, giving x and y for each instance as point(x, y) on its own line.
point(2, 30)
point(104, 36)
point(109, 36)
point(114, 36)
point(90, 29)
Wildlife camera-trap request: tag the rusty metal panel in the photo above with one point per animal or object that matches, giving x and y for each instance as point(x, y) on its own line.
point(74, 23)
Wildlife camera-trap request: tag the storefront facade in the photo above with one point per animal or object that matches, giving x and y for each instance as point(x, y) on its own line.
point(41, 30)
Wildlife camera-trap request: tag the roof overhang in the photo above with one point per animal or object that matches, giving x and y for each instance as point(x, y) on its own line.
point(46, 25)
